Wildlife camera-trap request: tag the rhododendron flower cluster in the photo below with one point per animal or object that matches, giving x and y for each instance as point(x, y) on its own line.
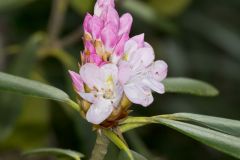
point(115, 70)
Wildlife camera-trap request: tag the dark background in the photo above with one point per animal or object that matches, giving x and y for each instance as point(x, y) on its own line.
point(197, 38)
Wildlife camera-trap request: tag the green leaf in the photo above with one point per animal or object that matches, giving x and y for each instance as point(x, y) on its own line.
point(223, 142)
point(220, 141)
point(189, 86)
point(136, 156)
point(129, 126)
point(35, 89)
point(134, 122)
point(228, 126)
point(118, 142)
point(32, 88)
point(10, 109)
point(56, 152)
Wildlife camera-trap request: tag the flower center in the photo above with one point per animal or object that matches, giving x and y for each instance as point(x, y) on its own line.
point(125, 57)
point(108, 93)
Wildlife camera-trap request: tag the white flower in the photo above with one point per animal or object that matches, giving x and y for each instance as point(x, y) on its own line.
point(139, 74)
point(105, 91)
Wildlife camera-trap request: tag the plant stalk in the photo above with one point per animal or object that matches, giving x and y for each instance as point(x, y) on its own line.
point(100, 148)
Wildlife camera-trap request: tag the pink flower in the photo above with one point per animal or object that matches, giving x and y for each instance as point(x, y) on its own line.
point(139, 74)
point(115, 69)
point(106, 31)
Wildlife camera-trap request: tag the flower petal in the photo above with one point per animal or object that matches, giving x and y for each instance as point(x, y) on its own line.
point(139, 39)
point(106, 2)
point(99, 111)
point(110, 16)
point(159, 70)
point(119, 48)
point(98, 10)
point(91, 75)
point(154, 85)
point(94, 58)
point(77, 81)
point(109, 37)
point(89, 47)
point(130, 47)
point(110, 70)
point(118, 95)
point(88, 96)
point(147, 55)
point(101, 5)
point(124, 73)
point(125, 24)
point(88, 18)
point(138, 94)
point(95, 25)
point(142, 58)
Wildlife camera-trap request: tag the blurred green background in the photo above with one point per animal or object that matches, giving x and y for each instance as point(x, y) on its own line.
point(41, 40)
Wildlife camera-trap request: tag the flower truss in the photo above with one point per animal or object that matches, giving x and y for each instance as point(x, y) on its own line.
point(116, 70)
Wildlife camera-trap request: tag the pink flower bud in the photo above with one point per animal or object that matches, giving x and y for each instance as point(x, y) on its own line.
point(88, 17)
point(94, 58)
point(125, 24)
point(101, 5)
point(109, 37)
point(110, 16)
point(94, 26)
point(77, 81)
point(89, 47)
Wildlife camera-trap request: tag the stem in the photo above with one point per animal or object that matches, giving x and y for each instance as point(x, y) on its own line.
point(74, 105)
point(100, 148)
point(59, 8)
